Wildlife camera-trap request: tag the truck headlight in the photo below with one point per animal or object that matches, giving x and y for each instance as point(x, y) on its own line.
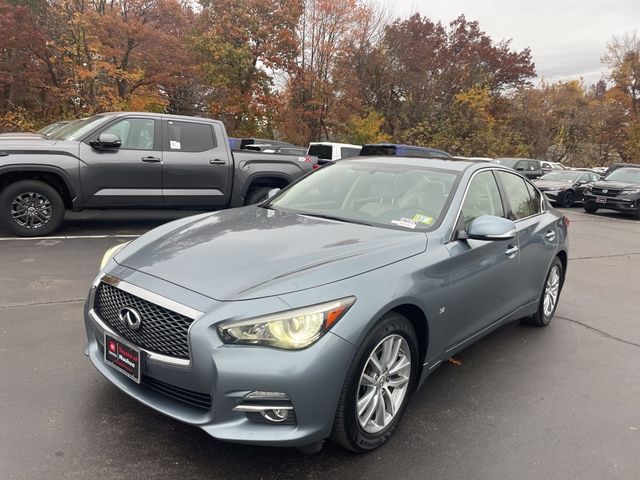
point(630, 192)
point(109, 254)
point(290, 330)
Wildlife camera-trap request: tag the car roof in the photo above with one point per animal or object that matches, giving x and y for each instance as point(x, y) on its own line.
point(336, 144)
point(438, 163)
point(160, 115)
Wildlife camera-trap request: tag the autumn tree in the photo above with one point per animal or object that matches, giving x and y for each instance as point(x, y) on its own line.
point(242, 48)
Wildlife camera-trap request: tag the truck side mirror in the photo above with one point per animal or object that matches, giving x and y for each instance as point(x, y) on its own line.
point(107, 141)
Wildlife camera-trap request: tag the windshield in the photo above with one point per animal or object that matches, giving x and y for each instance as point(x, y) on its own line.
point(629, 175)
point(321, 151)
point(78, 128)
point(396, 196)
point(562, 176)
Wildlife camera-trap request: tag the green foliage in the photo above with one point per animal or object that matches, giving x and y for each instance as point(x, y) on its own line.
point(368, 129)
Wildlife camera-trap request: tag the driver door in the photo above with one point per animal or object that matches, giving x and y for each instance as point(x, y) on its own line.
point(127, 176)
point(483, 272)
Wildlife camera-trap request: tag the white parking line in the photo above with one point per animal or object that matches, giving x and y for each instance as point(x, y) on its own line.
point(67, 237)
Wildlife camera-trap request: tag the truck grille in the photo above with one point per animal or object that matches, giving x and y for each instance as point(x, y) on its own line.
point(162, 331)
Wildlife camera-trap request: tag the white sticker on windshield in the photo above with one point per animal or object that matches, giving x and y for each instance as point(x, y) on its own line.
point(405, 222)
point(174, 145)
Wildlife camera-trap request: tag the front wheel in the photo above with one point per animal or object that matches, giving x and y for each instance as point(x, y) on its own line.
point(550, 296)
point(567, 199)
point(378, 385)
point(30, 208)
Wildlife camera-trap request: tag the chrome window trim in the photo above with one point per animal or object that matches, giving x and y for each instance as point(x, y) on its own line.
point(153, 298)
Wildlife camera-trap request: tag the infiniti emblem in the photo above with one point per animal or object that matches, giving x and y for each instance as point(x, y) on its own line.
point(604, 190)
point(130, 317)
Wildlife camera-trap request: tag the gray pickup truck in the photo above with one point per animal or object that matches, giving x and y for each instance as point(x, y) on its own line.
point(133, 160)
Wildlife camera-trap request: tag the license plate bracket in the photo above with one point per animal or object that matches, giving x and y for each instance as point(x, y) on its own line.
point(123, 357)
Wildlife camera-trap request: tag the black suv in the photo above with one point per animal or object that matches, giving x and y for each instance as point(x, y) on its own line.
point(618, 191)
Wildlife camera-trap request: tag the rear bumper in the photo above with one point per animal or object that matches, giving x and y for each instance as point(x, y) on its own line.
point(205, 392)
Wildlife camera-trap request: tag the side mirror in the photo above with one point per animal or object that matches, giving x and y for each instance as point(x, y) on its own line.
point(107, 141)
point(489, 227)
point(273, 192)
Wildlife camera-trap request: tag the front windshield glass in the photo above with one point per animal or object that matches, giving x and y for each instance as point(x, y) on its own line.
point(562, 176)
point(78, 128)
point(396, 196)
point(628, 175)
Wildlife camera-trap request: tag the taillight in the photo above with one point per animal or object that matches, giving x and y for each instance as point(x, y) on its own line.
point(315, 166)
point(565, 220)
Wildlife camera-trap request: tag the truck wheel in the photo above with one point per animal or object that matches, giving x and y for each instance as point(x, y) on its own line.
point(30, 208)
point(257, 195)
point(590, 208)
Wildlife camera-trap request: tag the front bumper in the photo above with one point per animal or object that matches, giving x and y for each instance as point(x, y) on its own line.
point(630, 204)
point(205, 390)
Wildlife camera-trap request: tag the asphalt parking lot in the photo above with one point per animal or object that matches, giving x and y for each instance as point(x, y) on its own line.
point(561, 402)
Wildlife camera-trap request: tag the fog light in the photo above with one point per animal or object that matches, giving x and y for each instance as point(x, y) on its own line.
point(276, 415)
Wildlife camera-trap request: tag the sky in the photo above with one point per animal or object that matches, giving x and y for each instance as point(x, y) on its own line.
point(567, 37)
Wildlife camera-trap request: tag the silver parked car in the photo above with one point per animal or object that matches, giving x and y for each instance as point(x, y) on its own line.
point(316, 314)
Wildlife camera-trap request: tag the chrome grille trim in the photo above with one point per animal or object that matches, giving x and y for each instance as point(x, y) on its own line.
point(151, 297)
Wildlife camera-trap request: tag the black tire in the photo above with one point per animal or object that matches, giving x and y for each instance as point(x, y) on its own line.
point(257, 195)
point(567, 199)
point(540, 318)
point(347, 431)
point(590, 208)
point(48, 219)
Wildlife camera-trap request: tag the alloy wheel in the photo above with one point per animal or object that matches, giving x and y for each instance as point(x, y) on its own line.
point(31, 210)
point(384, 383)
point(551, 291)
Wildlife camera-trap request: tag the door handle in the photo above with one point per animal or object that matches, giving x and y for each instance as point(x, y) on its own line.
point(217, 161)
point(512, 251)
point(550, 235)
point(151, 159)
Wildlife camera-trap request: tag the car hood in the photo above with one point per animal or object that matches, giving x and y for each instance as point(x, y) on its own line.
point(255, 252)
point(616, 185)
point(12, 143)
point(552, 184)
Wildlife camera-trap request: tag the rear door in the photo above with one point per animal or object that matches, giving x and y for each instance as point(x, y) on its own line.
point(537, 234)
point(130, 175)
point(197, 166)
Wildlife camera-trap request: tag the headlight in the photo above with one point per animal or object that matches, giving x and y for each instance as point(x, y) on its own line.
point(291, 330)
point(630, 192)
point(109, 254)
point(588, 188)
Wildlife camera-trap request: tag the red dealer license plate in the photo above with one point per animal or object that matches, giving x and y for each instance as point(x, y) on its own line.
point(122, 357)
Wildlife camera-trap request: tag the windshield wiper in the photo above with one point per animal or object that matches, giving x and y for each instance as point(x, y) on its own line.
point(337, 219)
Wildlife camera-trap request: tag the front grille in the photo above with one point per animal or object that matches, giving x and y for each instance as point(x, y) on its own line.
point(162, 331)
point(610, 192)
point(200, 401)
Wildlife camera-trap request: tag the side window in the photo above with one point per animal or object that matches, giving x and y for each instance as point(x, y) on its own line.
point(134, 133)
point(349, 152)
point(533, 166)
point(189, 137)
point(519, 198)
point(536, 198)
point(483, 198)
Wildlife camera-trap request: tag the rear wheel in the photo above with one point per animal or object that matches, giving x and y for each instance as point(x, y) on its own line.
point(378, 385)
point(567, 199)
point(590, 208)
point(550, 296)
point(30, 208)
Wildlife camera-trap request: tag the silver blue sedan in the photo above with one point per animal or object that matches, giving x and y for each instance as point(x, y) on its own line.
point(316, 314)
